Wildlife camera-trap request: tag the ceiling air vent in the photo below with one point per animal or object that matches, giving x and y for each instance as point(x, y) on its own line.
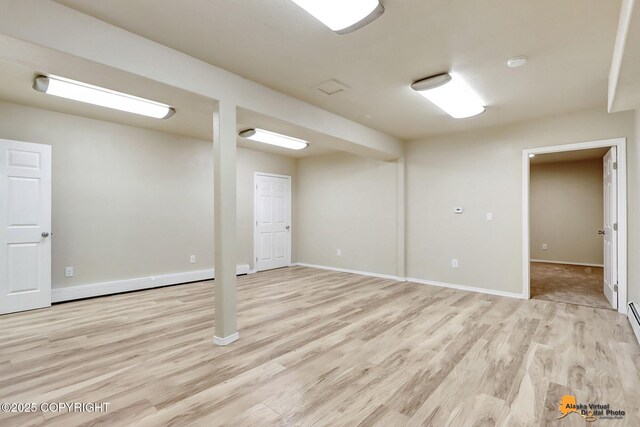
point(331, 87)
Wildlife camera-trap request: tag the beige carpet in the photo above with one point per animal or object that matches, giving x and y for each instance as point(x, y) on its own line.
point(571, 284)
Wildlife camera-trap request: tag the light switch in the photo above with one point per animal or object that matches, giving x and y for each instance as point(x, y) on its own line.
point(458, 210)
point(489, 216)
point(545, 246)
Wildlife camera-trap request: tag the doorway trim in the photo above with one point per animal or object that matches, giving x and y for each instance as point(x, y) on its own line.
point(621, 145)
point(255, 216)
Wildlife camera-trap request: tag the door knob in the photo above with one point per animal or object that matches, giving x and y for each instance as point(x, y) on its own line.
point(45, 234)
point(600, 231)
point(287, 227)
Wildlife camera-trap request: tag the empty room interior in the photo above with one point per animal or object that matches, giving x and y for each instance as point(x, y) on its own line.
point(319, 213)
point(567, 232)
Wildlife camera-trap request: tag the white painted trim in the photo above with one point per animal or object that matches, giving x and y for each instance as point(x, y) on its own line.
point(345, 270)
point(255, 216)
point(118, 286)
point(583, 264)
point(414, 280)
point(243, 269)
point(621, 145)
point(226, 340)
point(466, 288)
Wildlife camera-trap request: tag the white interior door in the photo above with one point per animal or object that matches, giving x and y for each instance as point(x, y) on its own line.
point(25, 225)
point(272, 240)
point(611, 227)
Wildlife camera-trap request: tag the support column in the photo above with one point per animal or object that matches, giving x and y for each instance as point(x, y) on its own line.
point(224, 171)
point(401, 231)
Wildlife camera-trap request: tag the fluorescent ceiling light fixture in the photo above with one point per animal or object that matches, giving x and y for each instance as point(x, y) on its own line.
point(273, 138)
point(343, 16)
point(83, 92)
point(451, 94)
point(516, 61)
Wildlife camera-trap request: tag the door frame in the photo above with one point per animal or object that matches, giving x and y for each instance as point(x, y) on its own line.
point(255, 216)
point(621, 145)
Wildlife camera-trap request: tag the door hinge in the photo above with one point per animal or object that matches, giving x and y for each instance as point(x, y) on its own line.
point(615, 165)
point(615, 288)
point(256, 223)
point(256, 259)
point(615, 226)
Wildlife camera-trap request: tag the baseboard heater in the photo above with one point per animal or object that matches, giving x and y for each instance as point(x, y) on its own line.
point(137, 284)
point(634, 319)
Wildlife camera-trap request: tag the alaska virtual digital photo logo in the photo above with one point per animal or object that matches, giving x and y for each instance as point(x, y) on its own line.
point(590, 412)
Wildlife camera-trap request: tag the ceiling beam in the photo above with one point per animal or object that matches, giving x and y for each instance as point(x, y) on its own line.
point(66, 30)
point(624, 76)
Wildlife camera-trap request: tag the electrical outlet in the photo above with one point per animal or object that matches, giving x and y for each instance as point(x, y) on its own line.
point(455, 263)
point(339, 252)
point(68, 272)
point(192, 259)
point(545, 246)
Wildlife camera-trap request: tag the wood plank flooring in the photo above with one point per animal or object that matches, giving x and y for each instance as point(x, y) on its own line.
point(319, 348)
point(571, 284)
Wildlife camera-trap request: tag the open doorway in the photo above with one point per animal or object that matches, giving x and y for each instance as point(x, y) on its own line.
point(566, 209)
point(575, 224)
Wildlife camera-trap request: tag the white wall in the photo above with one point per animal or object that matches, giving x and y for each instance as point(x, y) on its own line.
point(130, 202)
point(349, 203)
point(634, 207)
point(566, 211)
point(482, 172)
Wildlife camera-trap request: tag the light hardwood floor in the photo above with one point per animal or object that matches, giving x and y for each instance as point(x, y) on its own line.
point(319, 348)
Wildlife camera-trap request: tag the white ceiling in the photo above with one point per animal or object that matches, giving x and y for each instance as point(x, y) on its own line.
point(570, 156)
point(569, 44)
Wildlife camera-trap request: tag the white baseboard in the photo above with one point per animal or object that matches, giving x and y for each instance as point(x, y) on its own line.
point(108, 288)
point(344, 270)
point(582, 264)
point(466, 288)
point(419, 281)
point(226, 340)
point(243, 269)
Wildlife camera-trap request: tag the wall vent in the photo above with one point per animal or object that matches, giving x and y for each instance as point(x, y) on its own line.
point(332, 87)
